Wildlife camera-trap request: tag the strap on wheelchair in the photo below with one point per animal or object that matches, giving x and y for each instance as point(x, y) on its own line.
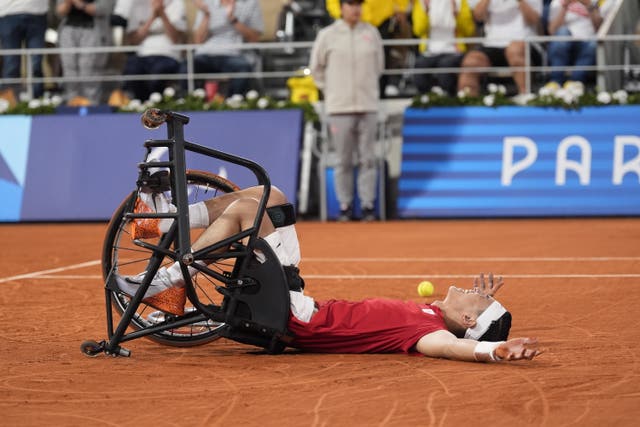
point(292, 274)
point(282, 215)
point(154, 183)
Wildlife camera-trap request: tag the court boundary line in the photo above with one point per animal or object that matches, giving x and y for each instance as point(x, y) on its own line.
point(472, 259)
point(35, 274)
point(46, 274)
point(377, 276)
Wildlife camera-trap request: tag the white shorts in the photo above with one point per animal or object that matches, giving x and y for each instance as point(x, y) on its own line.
point(284, 242)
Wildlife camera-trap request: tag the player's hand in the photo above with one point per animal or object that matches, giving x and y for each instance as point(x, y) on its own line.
point(518, 349)
point(487, 288)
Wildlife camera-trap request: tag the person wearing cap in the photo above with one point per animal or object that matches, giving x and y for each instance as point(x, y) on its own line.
point(391, 18)
point(468, 325)
point(347, 60)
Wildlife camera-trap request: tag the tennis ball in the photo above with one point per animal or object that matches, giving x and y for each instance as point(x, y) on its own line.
point(425, 288)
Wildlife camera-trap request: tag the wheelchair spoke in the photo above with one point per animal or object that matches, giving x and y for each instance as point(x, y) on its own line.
point(127, 258)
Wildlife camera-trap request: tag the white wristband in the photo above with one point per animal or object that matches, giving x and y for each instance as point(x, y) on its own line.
point(485, 351)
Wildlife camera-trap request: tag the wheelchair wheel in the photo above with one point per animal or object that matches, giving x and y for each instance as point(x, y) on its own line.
point(121, 256)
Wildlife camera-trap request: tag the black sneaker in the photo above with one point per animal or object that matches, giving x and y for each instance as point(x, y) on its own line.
point(368, 215)
point(346, 215)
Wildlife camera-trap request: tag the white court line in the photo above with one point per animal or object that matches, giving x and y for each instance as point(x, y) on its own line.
point(86, 277)
point(464, 276)
point(391, 276)
point(472, 259)
point(35, 274)
point(46, 274)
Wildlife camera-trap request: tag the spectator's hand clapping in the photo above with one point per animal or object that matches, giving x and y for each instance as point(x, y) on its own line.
point(230, 7)
point(157, 7)
point(201, 5)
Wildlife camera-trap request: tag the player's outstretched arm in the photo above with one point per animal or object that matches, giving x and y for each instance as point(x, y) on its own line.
point(446, 345)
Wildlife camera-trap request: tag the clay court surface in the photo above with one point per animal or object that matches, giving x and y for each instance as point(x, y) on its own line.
point(574, 284)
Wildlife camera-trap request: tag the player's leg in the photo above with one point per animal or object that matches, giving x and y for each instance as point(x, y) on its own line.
point(239, 215)
point(216, 206)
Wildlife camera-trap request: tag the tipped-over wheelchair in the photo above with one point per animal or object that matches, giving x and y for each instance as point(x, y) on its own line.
point(234, 295)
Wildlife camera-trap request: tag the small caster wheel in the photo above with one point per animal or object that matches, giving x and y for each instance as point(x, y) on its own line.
point(91, 348)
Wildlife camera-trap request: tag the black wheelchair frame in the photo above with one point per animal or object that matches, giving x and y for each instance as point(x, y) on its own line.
point(255, 295)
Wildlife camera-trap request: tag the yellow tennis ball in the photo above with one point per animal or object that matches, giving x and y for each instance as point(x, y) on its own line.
point(425, 288)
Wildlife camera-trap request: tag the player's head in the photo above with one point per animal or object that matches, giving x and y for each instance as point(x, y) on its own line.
point(351, 10)
point(470, 314)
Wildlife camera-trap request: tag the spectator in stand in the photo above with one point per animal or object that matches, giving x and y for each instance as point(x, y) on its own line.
point(438, 21)
point(154, 26)
point(347, 60)
point(219, 24)
point(575, 18)
point(506, 24)
point(390, 17)
point(85, 23)
point(22, 21)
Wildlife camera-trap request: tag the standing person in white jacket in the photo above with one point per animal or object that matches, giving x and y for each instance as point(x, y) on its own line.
point(347, 61)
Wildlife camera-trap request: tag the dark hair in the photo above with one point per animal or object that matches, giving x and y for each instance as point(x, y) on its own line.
point(499, 329)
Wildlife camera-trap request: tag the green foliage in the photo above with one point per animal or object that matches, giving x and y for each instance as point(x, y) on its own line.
point(30, 109)
point(572, 96)
point(192, 102)
point(197, 102)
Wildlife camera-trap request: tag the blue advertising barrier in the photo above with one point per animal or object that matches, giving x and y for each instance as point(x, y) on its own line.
point(73, 168)
point(520, 162)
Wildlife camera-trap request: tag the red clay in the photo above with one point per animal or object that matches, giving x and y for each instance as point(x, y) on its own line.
point(574, 284)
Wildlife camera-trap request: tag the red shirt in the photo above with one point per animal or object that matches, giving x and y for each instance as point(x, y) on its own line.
point(370, 326)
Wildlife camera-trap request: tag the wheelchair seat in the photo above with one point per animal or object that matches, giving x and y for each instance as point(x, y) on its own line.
point(257, 312)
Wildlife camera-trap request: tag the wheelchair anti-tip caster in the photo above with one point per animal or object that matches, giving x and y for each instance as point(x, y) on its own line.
point(91, 348)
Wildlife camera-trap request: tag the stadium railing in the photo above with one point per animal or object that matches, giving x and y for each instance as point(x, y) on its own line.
point(618, 55)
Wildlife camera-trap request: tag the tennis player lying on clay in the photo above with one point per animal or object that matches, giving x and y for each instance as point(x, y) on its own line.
point(468, 325)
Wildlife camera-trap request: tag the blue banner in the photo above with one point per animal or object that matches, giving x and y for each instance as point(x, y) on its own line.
point(520, 162)
point(69, 168)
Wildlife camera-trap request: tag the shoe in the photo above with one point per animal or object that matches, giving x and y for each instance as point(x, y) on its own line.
point(345, 215)
point(522, 98)
point(130, 284)
point(368, 215)
point(391, 91)
point(161, 294)
point(148, 228)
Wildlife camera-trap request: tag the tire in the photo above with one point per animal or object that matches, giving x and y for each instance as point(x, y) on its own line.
point(120, 255)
